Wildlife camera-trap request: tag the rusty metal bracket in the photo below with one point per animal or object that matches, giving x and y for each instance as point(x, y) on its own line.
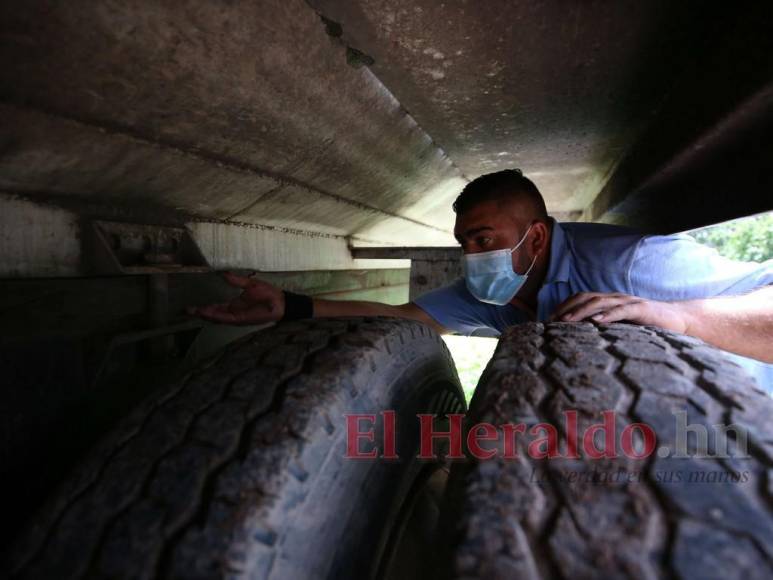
point(124, 248)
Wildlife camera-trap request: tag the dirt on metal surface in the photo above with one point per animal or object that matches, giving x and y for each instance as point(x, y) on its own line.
point(234, 92)
point(364, 119)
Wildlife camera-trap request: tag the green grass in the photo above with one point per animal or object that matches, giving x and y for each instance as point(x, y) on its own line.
point(471, 355)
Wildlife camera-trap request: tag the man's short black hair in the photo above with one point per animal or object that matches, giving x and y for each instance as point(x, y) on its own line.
point(499, 186)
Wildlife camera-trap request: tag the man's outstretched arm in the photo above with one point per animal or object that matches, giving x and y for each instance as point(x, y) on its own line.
point(328, 308)
point(741, 324)
point(260, 302)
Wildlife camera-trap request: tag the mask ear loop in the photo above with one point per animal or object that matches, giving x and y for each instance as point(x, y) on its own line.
point(534, 261)
point(523, 239)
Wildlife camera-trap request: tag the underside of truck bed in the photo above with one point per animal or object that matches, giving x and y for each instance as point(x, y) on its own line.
point(332, 123)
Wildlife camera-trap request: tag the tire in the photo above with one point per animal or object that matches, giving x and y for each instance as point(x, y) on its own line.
point(661, 516)
point(238, 469)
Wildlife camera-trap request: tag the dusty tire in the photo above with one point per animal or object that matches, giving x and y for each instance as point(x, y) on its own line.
point(661, 517)
point(238, 469)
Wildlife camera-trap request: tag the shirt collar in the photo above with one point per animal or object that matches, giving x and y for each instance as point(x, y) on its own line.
point(558, 269)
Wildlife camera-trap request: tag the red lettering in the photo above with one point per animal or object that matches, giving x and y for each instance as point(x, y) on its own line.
point(474, 437)
point(510, 429)
point(536, 451)
point(571, 434)
point(389, 435)
point(353, 436)
point(428, 435)
point(648, 436)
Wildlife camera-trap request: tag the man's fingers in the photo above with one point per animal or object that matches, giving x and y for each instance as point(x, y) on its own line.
point(571, 303)
point(251, 308)
point(593, 307)
point(629, 311)
point(590, 307)
point(240, 304)
point(254, 290)
point(207, 309)
point(223, 313)
point(216, 313)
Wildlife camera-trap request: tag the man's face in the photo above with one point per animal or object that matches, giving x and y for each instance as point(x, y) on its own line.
point(486, 226)
point(490, 225)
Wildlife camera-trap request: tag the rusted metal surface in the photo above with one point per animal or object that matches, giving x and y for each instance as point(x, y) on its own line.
point(430, 267)
point(73, 161)
point(41, 239)
point(256, 90)
point(427, 275)
point(38, 240)
point(443, 253)
point(559, 89)
point(125, 248)
point(83, 163)
point(288, 130)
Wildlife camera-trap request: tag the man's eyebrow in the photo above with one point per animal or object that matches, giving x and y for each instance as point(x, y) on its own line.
point(472, 232)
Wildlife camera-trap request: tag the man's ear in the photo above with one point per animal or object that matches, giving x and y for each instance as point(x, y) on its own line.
point(540, 238)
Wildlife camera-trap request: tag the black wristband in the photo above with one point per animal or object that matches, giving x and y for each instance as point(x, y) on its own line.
point(297, 306)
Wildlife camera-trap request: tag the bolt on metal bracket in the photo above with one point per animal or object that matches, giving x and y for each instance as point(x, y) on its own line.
point(124, 248)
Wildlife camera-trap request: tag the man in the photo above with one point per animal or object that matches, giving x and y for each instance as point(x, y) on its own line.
point(570, 272)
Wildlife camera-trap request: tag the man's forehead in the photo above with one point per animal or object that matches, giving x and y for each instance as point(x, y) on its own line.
point(484, 216)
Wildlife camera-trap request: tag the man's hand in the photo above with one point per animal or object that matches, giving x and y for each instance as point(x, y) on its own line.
point(616, 307)
point(741, 324)
point(258, 303)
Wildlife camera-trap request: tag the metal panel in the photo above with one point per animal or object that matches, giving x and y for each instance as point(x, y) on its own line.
point(231, 246)
point(559, 89)
point(427, 275)
point(410, 252)
point(724, 174)
point(126, 248)
point(42, 239)
point(257, 87)
point(710, 145)
point(37, 240)
point(257, 113)
point(430, 267)
point(69, 160)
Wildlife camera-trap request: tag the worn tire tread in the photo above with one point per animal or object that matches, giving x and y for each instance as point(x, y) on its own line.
point(514, 520)
point(237, 429)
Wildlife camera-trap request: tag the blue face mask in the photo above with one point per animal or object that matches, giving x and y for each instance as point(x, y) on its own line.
point(490, 276)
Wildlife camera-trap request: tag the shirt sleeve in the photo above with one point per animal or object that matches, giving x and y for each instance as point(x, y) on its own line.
point(677, 267)
point(454, 308)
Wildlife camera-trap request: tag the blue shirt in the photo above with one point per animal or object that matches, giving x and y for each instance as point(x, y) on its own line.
point(588, 257)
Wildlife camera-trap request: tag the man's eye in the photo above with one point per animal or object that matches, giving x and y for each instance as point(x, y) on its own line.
point(484, 241)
